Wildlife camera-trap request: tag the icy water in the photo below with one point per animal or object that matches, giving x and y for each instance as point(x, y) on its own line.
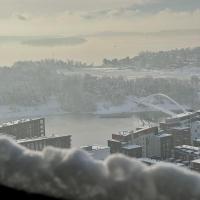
point(87, 129)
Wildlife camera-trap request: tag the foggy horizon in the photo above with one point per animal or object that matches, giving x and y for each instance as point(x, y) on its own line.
point(110, 29)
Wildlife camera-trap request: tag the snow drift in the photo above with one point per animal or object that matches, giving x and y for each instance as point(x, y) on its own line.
point(74, 174)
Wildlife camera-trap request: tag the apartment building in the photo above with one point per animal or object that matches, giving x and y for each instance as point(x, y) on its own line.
point(25, 128)
point(39, 143)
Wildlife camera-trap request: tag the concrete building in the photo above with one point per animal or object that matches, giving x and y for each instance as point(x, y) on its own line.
point(195, 131)
point(149, 161)
point(181, 136)
point(26, 128)
point(125, 148)
point(39, 143)
point(132, 150)
point(196, 142)
point(143, 137)
point(97, 152)
point(186, 153)
point(122, 136)
point(115, 146)
point(180, 120)
point(195, 165)
point(161, 146)
point(153, 143)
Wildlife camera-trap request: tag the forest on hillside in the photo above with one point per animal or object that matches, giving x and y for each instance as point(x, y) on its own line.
point(172, 59)
point(34, 84)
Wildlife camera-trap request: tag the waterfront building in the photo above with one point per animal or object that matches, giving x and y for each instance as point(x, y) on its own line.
point(180, 120)
point(25, 128)
point(39, 143)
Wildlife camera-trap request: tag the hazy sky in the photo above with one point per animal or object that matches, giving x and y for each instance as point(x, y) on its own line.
point(90, 30)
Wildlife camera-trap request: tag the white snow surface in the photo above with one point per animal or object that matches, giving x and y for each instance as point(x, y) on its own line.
point(52, 107)
point(73, 174)
point(129, 106)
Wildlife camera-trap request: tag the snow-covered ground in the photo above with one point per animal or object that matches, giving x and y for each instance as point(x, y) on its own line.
point(186, 72)
point(13, 112)
point(53, 108)
point(130, 106)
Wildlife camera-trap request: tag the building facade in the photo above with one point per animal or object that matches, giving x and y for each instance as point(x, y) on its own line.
point(161, 146)
point(97, 152)
point(143, 138)
point(22, 129)
point(132, 150)
point(39, 143)
point(195, 165)
point(186, 153)
point(195, 131)
point(180, 135)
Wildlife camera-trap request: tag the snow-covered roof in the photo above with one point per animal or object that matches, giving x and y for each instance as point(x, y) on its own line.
point(18, 122)
point(131, 146)
point(94, 147)
point(196, 161)
point(41, 138)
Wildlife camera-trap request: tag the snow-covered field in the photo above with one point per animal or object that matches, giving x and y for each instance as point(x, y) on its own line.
point(14, 112)
point(180, 73)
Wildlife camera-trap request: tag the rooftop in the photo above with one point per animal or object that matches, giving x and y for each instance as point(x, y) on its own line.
point(94, 147)
point(124, 133)
point(163, 134)
point(41, 138)
point(182, 116)
point(131, 146)
point(196, 161)
point(180, 128)
point(188, 148)
point(146, 131)
point(149, 160)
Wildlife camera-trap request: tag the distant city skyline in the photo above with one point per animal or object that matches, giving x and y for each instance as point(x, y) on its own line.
point(93, 30)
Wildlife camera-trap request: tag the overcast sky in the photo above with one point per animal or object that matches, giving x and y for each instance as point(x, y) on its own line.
point(82, 20)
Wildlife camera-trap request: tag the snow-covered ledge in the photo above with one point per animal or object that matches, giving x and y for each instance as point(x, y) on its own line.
point(74, 174)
